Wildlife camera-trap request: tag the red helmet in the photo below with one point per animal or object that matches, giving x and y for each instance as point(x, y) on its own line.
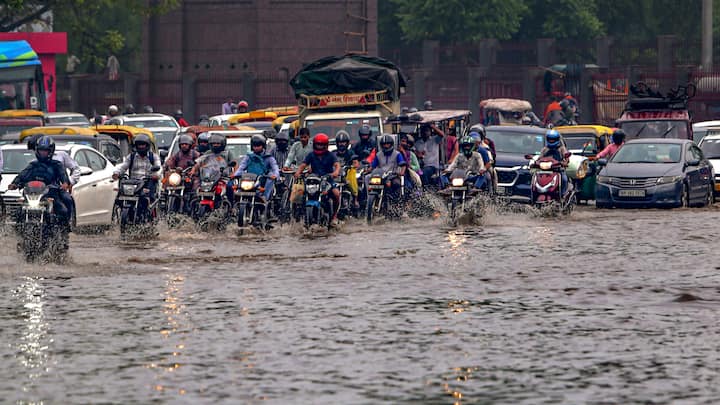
point(320, 143)
point(243, 103)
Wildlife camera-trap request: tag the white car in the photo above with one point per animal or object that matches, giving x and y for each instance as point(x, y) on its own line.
point(69, 119)
point(94, 193)
point(710, 146)
point(164, 127)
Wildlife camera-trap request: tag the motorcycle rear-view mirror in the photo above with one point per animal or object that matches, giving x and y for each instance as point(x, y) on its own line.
point(232, 164)
point(528, 156)
point(567, 154)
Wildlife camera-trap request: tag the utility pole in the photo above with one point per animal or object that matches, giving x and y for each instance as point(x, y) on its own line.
point(707, 35)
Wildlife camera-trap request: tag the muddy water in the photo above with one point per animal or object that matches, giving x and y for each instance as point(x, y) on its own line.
point(604, 306)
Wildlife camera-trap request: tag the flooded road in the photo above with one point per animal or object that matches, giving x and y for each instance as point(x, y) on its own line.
point(605, 306)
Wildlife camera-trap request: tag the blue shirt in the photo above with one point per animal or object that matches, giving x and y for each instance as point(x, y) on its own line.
point(321, 164)
point(484, 153)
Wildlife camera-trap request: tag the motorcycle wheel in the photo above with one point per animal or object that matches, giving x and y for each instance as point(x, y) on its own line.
point(241, 220)
point(370, 208)
point(309, 216)
point(202, 216)
point(124, 220)
point(329, 214)
point(453, 211)
point(32, 241)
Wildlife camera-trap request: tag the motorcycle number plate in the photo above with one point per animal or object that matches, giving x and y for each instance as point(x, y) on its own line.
point(631, 193)
point(122, 198)
point(501, 190)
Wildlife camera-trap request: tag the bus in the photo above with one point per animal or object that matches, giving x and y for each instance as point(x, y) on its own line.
point(21, 78)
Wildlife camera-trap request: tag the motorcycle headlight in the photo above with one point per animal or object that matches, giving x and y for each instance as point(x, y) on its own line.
point(669, 179)
point(34, 202)
point(375, 180)
point(128, 189)
point(174, 179)
point(313, 188)
point(458, 182)
point(545, 165)
point(247, 185)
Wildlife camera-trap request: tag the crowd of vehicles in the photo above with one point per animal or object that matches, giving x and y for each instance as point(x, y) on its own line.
point(390, 160)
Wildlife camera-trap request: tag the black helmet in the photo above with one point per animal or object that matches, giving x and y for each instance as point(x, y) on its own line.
point(282, 136)
point(142, 139)
point(185, 139)
point(342, 140)
point(32, 141)
point(217, 143)
point(178, 113)
point(467, 144)
point(427, 105)
point(203, 142)
point(364, 131)
point(618, 136)
point(147, 109)
point(44, 143)
point(387, 140)
point(258, 140)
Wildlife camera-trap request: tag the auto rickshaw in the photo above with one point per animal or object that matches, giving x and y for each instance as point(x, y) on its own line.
point(55, 130)
point(507, 111)
point(124, 134)
point(11, 120)
point(586, 141)
point(282, 111)
point(252, 116)
point(284, 123)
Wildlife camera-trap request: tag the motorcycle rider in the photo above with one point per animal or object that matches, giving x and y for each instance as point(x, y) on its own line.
point(405, 147)
point(618, 139)
point(180, 120)
point(346, 157)
point(185, 157)
point(555, 149)
point(281, 150)
point(428, 151)
point(323, 163)
point(299, 150)
point(259, 163)
point(139, 164)
point(388, 160)
point(365, 148)
point(468, 159)
point(51, 172)
point(69, 164)
point(203, 143)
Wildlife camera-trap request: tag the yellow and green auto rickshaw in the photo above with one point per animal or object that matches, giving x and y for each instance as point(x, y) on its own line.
point(124, 134)
point(586, 141)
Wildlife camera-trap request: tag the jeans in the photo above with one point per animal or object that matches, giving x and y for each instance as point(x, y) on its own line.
point(428, 173)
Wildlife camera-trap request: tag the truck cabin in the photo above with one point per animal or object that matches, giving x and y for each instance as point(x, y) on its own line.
point(650, 114)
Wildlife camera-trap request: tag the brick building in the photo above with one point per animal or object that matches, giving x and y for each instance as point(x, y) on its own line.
point(207, 50)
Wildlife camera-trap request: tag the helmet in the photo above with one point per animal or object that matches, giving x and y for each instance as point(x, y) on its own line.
point(178, 113)
point(618, 136)
point(342, 140)
point(243, 103)
point(142, 139)
point(147, 109)
point(552, 139)
point(387, 140)
point(129, 109)
point(203, 142)
point(320, 143)
point(410, 140)
point(365, 131)
point(258, 140)
point(185, 140)
point(113, 109)
point(217, 143)
point(427, 105)
point(413, 110)
point(466, 145)
point(282, 136)
point(44, 143)
point(32, 141)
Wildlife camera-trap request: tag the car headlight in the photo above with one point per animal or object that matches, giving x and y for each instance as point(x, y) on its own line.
point(174, 179)
point(582, 170)
point(669, 179)
point(247, 185)
point(458, 182)
point(375, 180)
point(604, 179)
point(545, 165)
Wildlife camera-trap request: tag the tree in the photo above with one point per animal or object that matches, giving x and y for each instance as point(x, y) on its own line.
point(459, 20)
point(561, 19)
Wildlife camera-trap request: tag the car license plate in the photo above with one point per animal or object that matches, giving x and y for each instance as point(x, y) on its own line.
point(631, 193)
point(501, 190)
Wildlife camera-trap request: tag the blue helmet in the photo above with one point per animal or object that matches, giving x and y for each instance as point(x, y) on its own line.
point(474, 135)
point(552, 139)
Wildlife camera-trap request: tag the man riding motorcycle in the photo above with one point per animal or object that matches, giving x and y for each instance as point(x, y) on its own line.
point(185, 157)
point(347, 158)
point(203, 143)
point(281, 150)
point(323, 163)
point(389, 160)
point(139, 165)
point(554, 149)
point(365, 147)
point(259, 163)
point(299, 150)
point(50, 172)
point(468, 159)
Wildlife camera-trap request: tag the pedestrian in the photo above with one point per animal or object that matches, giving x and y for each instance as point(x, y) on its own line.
point(227, 106)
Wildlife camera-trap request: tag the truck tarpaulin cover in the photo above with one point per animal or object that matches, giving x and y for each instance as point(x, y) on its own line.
point(348, 74)
point(17, 53)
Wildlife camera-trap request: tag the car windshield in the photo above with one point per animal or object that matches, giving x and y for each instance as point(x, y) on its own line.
point(711, 148)
point(163, 139)
point(330, 127)
point(6, 129)
point(580, 142)
point(517, 142)
point(71, 120)
point(655, 129)
point(154, 123)
point(648, 153)
point(236, 151)
point(15, 160)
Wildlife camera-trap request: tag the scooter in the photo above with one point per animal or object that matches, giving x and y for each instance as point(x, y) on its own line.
point(546, 185)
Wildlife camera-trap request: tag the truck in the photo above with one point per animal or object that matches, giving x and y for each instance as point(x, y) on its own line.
point(346, 92)
point(21, 78)
point(650, 114)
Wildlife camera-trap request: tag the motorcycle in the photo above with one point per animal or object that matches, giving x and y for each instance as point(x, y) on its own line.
point(282, 205)
point(211, 205)
point(460, 192)
point(546, 185)
point(381, 199)
point(39, 226)
point(250, 210)
point(319, 205)
point(178, 194)
point(128, 210)
point(347, 201)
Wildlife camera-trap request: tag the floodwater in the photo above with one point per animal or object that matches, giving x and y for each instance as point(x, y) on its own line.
point(604, 306)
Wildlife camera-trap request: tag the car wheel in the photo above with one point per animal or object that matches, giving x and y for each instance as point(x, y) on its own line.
point(684, 196)
point(710, 196)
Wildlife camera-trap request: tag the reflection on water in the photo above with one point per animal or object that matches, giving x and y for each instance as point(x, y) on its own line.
point(34, 342)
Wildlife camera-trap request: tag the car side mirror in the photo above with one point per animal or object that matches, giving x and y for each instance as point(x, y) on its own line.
point(528, 156)
point(602, 162)
point(693, 162)
point(163, 153)
point(84, 171)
